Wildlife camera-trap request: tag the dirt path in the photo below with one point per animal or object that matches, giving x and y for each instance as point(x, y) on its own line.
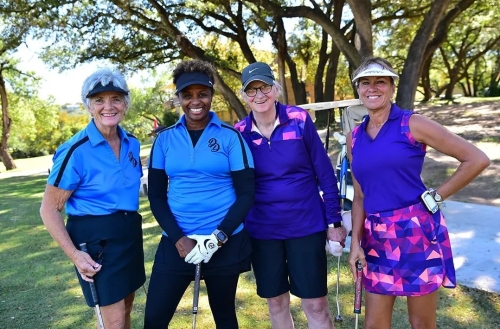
point(478, 123)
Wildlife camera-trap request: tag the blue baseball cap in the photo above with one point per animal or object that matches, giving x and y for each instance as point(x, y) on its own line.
point(192, 78)
point(257, 71)
point(99, 88)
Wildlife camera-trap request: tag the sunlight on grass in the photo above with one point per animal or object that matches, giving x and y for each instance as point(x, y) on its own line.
point(491, 139)
point(43, 162)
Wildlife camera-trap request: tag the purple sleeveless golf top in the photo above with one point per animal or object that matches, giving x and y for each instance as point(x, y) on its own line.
point(388, 167)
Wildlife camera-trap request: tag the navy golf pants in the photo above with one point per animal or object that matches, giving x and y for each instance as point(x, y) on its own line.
point(166, 290)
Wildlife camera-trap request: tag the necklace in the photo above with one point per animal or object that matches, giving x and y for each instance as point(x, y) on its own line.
point(378, 125)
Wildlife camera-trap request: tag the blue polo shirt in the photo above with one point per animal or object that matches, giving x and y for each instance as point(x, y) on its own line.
point(101, 183)
point(200, 189)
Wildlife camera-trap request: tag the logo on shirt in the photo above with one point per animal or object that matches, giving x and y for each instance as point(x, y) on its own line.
point(213, 144)
point(132, 159)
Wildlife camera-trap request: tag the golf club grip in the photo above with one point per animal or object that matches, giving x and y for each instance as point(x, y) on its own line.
point(196, 294)
point(83, 247)
point(358, 289)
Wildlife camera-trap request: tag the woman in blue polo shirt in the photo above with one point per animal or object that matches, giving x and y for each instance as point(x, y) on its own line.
point(96, 176)
point(201, 186)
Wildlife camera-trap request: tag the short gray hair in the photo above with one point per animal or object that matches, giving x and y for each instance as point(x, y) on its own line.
point(104, 76)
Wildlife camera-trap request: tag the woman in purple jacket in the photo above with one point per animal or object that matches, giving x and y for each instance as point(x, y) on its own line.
point(289, 221)
point(401, 242)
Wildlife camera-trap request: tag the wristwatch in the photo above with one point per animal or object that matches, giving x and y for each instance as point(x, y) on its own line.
point(435, 195)
point(221, 237)
point(336, 224)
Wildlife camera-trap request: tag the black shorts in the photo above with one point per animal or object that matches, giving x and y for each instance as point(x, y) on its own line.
point(232, 258)
point(115, 241)
point(296, 265)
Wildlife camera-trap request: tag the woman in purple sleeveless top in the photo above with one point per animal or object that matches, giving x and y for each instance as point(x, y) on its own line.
point(404, 248)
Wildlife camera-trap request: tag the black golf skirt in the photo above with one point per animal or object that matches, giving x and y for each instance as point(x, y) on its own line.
point(114, 241)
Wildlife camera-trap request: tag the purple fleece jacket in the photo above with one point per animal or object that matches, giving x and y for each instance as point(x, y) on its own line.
point(288, 169)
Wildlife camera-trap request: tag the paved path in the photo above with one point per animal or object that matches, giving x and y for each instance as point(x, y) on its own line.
point(475, 241)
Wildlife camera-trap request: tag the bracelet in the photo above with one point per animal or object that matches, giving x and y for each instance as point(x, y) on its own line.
point(336, 224)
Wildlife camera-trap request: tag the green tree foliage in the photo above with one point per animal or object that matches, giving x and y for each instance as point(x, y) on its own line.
point(39, 126)
point(143, 34)
point(469, 40)
point(492, 65)
point(169, 118)
point(15, 26)
point(148, 104)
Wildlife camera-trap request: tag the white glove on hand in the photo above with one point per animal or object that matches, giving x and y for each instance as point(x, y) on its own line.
point(334, 248)
point(206, 246)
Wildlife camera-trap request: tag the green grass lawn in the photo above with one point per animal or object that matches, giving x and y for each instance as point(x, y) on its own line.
point(39, 288)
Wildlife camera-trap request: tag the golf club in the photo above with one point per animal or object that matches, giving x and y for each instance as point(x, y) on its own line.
point(342, 194)
point(196, 293)
point(83, 247)
point(358, 291)
point(338, 318)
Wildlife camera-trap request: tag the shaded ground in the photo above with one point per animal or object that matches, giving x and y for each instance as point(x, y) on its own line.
point(478, 123)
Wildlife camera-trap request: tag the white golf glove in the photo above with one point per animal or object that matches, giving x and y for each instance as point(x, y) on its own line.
point(334, 248)
point(206, 246)
point(346, 220)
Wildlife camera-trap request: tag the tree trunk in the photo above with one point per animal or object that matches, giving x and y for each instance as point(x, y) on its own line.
point(282, 50)
point(5, 156)
point(333, 60)
point(230, 96)
point(440, 90)
point(328, 93)
point(320, 70)
point(361, 10)
point(416, 55)
point(319, 17)
point(299, 87)
point(320, 121)
point(426, 80)
point(454, 77)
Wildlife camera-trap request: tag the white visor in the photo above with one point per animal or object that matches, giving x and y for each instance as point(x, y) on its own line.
point(375, 70)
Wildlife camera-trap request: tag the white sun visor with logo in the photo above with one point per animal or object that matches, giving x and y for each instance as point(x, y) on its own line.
point(375, 70)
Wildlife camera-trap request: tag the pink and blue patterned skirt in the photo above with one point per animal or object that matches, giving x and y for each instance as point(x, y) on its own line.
point(408, 252)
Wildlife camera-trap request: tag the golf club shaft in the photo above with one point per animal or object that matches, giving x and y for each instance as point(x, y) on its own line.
point(358, 291)
point(83, 247)
point(99, 316)
point(338, 283)
point(196, 293)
